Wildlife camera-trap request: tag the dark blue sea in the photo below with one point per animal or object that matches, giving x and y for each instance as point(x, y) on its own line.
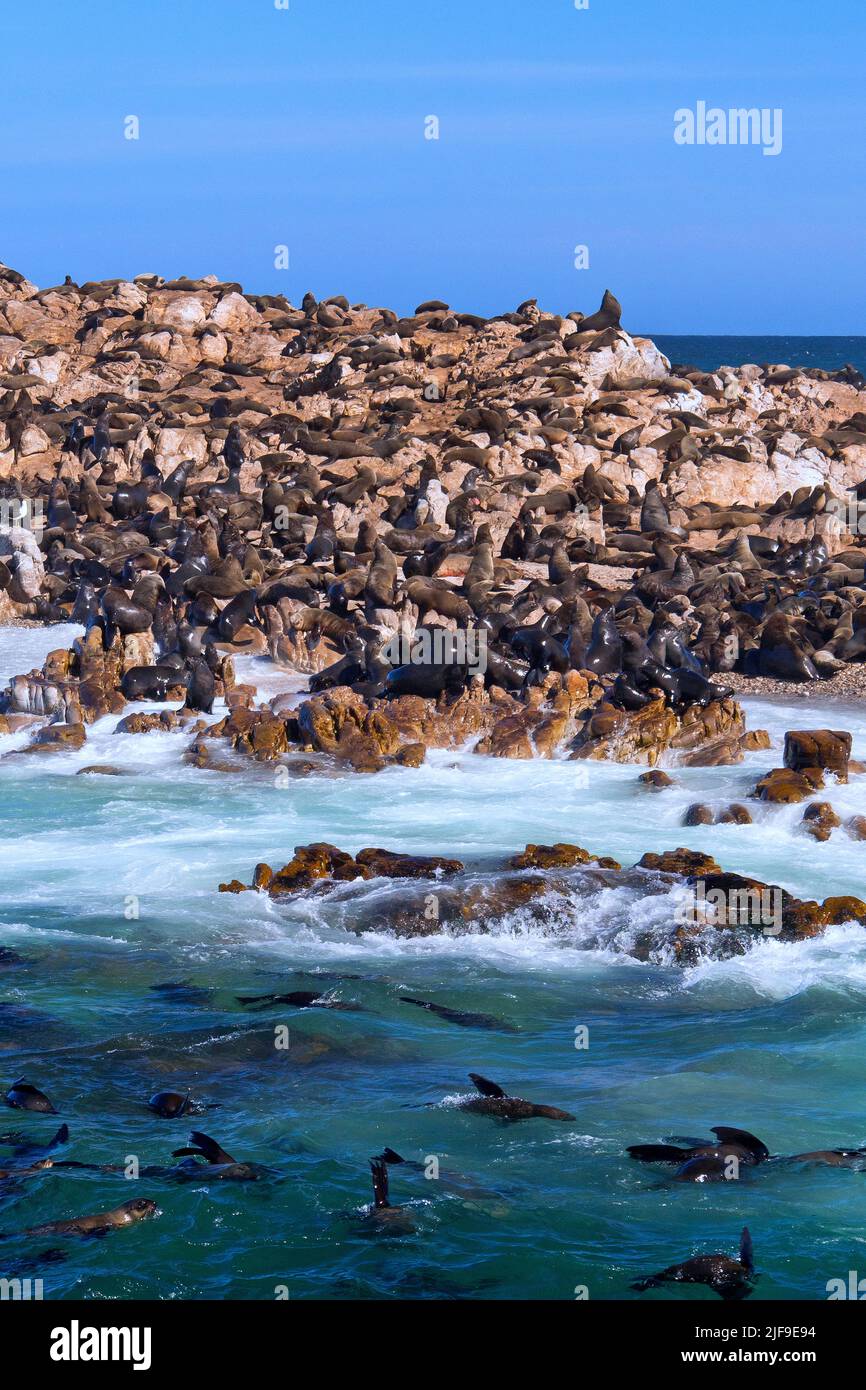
point(710, 351)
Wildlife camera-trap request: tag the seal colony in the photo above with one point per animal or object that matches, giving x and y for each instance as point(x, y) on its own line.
point(219, 473)
point(613, 547)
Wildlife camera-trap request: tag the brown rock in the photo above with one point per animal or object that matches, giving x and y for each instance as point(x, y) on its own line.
point(685, 862)
point(754, 740)
point(845, 909)
point(698, 814)
point(558, 856)
point(784, 786)
point(820, 819)
point(805, 919)
point(58, 736)
point(384, 863)
point(699, 738)
point(310, 863)
point(656, 780)
point(827, 749)
point(148, 723)
point(508, 739)
point(262, 876)
point(410, 755)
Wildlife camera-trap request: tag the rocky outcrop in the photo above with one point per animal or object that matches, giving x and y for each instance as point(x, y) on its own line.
point(827, 749)
point(711, 912)
point(699, 737)
point(313, 863)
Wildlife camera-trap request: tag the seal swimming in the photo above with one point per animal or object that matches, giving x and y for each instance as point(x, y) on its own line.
point(137, 1209)
point(729, 1278)
point(703, 1160)
point(218, 1164)
point(493, 1101)
point(22, 1096)
point(458, 1016)
point(172, 1105)
point(382, 1215)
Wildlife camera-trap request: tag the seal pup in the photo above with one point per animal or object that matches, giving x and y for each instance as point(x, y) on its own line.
point(493, 1101)
point(22, 1096)
point(138, 1209)
point(729, 1278)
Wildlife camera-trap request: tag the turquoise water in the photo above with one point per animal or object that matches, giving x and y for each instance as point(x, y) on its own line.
point(772, 1041)
point(709, 351)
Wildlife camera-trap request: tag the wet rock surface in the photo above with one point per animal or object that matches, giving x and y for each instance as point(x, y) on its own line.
point(710, 913)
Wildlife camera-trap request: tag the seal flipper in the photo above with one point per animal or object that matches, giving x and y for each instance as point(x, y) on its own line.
point(61, 1137)
point(205, 1147)
point(389, 1156)
point(380, 1182)
point(487, 1088)
point(746, 1252)
point(728, 1135)
point(658, 1153)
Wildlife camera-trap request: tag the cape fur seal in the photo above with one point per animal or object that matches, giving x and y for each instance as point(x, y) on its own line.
point(737, 1144)
point(22, 1096)
point(218, 1163)
point(458, 1016)
point(138, 1209)
point(382, 1215)
point(493, 1101)
point(172, 1105)
point(729, 1278)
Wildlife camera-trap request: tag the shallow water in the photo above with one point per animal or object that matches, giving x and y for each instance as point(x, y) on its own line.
point(110, 889)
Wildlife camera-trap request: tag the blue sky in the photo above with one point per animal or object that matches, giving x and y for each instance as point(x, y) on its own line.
point(262, 127)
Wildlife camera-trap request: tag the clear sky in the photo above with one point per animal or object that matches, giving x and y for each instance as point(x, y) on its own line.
point(305, 127)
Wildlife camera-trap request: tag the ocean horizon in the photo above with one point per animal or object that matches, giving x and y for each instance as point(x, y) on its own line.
point(709, 351)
